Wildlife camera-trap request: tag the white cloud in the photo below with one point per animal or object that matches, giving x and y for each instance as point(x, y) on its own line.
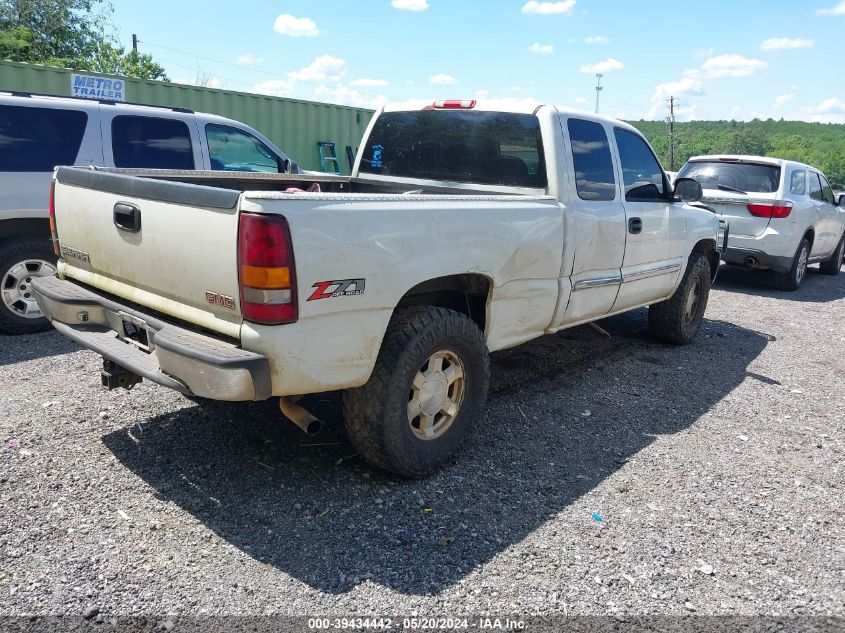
point(782, 100)
point(598, 39)
point(369, 82)
point(839, 9)
point(731, 66)
point(295, 27)
point(580, 100)
point(782, 43)
point(442, 79)
point(735, 111)
point(532, 7)
point(541, 49)
point(688, 86)
point(323, 68)
point(703, 53)
point(830, 110)
point(606, 66)
point(410, 5)
point(274, 87)
point(482, 94)
point(344, 95)
point(250, 59)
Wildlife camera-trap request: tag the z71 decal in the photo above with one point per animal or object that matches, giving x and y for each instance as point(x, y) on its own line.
point(338, 288)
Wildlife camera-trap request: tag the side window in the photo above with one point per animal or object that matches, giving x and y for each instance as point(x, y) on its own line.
point(39, 139)
point(640, 169)
point(231, 149)
point(797, 182)
point(151, 142)
point(594, 179)
point(827, 192)
point(815, 187)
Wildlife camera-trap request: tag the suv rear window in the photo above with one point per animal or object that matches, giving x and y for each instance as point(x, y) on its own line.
point(748, 177)
point(489, 148)
point(39, 139)
point(151, 142)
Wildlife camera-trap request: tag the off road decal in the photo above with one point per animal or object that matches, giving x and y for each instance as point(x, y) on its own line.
point(337, 288)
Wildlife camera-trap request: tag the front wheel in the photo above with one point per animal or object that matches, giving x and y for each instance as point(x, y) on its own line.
point(429, 385)
point(678, 319)
point(833, 265)
point(20, 263)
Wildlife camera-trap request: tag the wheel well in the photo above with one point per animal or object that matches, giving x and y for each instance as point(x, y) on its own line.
point(708, 248)
point(811, 236)
point(466, 294)
point(25, 227)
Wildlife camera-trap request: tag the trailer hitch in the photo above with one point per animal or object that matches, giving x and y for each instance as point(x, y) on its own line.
point(114, 376)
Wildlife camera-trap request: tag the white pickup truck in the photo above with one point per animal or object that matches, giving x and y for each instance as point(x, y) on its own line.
point(464, 229)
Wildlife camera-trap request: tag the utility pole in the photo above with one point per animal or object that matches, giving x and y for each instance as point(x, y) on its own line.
point(598, 90)
point(134, 43)
point(673, 101)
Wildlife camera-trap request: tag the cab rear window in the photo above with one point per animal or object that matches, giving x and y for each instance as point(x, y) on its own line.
point(747, 177)
point(489, 148)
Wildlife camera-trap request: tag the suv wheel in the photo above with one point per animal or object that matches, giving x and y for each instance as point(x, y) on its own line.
point(833, 265)
point(20, 262)
point(429, 385)
point(795, 276)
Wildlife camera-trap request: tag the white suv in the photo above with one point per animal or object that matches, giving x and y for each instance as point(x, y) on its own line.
point(40, 132)
point(783, 215)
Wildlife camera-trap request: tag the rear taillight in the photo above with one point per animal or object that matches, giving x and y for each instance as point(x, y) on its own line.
point(454, 104)
point(266, 271)
point(54, 236)
point(776, 209)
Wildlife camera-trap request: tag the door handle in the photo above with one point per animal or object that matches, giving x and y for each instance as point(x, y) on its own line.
point(127, 217)
point(635, 225)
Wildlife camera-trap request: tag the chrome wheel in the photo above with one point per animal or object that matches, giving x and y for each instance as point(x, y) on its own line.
point(437, 393)
point(693, 299)
point(801, 271)
point(16, 288)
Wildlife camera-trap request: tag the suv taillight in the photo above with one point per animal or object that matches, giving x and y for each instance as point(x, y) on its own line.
point(776, 209)
point(54, 236)
point(266, 271)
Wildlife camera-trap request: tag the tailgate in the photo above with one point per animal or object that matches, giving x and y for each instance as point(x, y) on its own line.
point(733, 208)
point(167, 246)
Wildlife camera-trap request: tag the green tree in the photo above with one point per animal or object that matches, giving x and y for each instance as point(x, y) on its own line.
point(114, 60)
point(15, 43)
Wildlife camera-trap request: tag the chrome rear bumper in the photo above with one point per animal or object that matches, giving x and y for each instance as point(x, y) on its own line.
point(164, 353)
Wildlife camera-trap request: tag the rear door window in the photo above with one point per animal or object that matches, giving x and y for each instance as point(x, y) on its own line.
point(151, 143)
point(815, 187)
point(639, 167)
point(594, 178)
point(39, 139)
point(747, 177)
point(797, 182)
point(487, 148)
point(231, 149)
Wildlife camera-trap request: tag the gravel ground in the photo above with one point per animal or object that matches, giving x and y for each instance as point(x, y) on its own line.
point(608, 476)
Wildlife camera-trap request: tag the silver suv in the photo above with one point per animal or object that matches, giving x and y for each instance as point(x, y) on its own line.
point(39, 133)
point(783, 214)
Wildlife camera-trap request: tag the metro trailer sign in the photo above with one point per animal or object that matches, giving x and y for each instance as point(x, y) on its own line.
point(96, 87)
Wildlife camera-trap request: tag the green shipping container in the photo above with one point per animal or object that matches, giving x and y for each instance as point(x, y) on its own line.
point(295, 126)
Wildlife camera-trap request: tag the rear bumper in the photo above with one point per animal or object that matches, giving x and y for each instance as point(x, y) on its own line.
point(166, 354)
point(754, 258)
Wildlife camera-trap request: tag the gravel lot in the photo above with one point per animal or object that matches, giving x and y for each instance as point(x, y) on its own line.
point(716, 470)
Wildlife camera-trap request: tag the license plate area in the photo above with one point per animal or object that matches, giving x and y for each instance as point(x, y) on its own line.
point(134, 331)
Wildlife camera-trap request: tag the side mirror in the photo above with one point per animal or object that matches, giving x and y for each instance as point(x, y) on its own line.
point(688, 189)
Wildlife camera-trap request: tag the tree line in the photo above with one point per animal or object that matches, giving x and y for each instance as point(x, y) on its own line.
point(76, 34)
point(821, 145)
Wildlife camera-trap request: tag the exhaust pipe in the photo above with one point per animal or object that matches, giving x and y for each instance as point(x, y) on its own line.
point(299, 416)
point(751, 262)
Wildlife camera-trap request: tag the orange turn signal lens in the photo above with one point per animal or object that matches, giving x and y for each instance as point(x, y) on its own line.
point(268, 278)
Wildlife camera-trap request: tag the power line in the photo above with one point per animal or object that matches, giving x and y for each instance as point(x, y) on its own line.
point(599, 88)
point(216, 61)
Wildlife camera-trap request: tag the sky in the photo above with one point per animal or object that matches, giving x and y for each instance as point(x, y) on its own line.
point(722, 59)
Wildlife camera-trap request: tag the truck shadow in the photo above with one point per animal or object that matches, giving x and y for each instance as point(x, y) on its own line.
point(566, 412)
point(817, 288)
point(26, 347)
